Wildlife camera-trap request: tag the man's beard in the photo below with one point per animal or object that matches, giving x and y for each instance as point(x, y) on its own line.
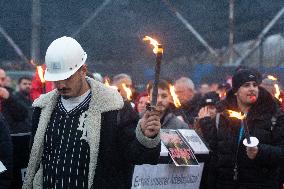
point(26, 92)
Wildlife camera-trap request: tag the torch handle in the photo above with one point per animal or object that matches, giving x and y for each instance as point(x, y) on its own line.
point(247, 135)
point(43, 88)
point(156, 81)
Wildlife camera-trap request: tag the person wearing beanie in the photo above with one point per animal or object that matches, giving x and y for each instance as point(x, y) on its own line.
point(207, 113)
point(232, 164)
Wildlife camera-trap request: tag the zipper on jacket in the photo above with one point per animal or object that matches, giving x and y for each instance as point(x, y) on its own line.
point(235, 177)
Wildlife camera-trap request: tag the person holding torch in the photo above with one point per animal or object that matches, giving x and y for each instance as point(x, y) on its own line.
point(236, 166)
point(83, 136)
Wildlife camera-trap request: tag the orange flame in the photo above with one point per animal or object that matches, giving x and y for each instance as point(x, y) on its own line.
point(107, 84)
point(271, 77)
point(222, 95)
point(237, 115)
point(127, 90)
point(175, 97)
point(40, 74)
point(277, 92)
point(154, 43)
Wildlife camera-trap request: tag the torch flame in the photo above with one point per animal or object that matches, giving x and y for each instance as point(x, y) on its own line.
point(175, 97)
point(127, 90)
point(154, 43)
point(277, 92)
point(222, 95)
point(107, 84)
point(237, 115)
point(271, 77)
point(40, 74)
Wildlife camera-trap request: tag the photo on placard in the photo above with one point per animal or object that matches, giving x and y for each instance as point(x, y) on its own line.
point(179, 151)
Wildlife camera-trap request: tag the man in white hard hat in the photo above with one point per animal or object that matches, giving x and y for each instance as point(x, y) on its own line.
point(81, 139)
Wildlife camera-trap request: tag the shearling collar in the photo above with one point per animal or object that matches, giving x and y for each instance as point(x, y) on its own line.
point(106, 98)
point(103, 99)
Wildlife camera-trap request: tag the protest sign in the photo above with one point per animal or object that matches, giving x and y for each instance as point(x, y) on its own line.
point(166, 176)
point(179, 151)
point(194, 141)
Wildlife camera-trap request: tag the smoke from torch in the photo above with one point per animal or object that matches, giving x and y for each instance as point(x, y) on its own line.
point(158, 50)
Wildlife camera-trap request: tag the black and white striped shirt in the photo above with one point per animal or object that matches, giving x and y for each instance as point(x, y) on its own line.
point(66, 152)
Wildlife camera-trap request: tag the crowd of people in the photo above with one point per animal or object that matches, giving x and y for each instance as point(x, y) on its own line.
point(81, 130)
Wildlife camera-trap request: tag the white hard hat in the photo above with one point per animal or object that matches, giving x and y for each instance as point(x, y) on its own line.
point(63, 58)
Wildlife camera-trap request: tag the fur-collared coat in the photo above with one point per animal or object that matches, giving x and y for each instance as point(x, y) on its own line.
point(259, 173)
point(114, 148)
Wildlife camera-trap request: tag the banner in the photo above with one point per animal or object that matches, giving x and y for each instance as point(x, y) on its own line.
point(166, 176)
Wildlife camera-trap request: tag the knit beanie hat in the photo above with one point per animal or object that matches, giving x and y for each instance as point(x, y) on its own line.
point(210, 98)
point(245, 75)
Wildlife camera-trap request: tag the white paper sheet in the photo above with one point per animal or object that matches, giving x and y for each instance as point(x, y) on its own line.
point(2, 167)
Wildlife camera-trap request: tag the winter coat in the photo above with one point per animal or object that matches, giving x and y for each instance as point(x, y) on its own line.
point(116, 144)
point(170, 121)
point(261, 172)
point(6, 154)
point(21, 132)
point(25, 125)
point(189, 110)
point(13, 111)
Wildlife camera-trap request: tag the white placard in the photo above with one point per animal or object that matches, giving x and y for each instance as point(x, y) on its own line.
point(166, 176)
point(194, 141)
point(2, 167)
point(164, 150)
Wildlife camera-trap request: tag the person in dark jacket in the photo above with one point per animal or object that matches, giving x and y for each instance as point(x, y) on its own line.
point(22, 132)
point(11, 109)
point(235, 165)
point(189, 99)
point(208, 111)
point(6, 154)
point(165, 106)
point(23, 97)
point(84, 135)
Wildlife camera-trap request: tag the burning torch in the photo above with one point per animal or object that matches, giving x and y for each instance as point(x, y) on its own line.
point(158, 50)
point(42, 80)
point(107, 83)
point(249, 141)
point(174, 96)
point(277, 92)
point(127, 91)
